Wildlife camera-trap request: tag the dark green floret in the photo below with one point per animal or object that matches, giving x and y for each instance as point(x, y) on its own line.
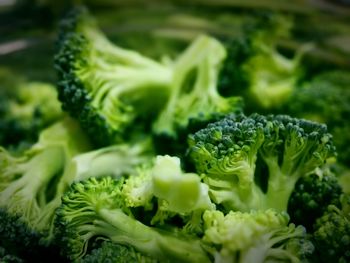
point(26, 108)
point(326, 99)
point(311, 197)
point(115, 253)
point(254, 162)
point(332, 233)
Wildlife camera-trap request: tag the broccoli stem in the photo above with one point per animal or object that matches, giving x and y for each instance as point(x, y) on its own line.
point(121, 228)
point(115, 53)
point(280, 185)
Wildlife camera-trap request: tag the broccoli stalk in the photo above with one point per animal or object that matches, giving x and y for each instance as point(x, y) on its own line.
point(115, 160)
point(254, 162)
point(96, 208)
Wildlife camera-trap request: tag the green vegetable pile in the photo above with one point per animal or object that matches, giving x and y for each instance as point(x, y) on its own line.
point(228, 150)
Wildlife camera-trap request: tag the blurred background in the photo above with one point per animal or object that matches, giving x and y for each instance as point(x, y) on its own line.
point(154, 27)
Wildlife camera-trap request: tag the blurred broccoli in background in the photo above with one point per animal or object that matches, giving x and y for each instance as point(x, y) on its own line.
point(26, 108)
point(326, 99)
point(256, 69)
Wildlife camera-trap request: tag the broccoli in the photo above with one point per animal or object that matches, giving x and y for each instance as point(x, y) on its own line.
point(171, 191)
point(113, 92)
point(5, 257)
point(29, 183)
point(254, 162)
point(21, 243)
point(95, 208)
point(326, 99)
point(26, 108)
point(194, 95)
point(194, 100)
point(110, 89)
point(312, 195)
point(257, 236)
point(331, 234)
point(255, 69)
point(115, 253)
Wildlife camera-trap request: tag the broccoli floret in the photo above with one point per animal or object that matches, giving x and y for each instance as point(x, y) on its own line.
point(312, 195)
point(332, 233)
point(194, 99)
point(29, 183)
point(115, 253)
point(171, 191)
point(16, 238)
point(194, 92)
point(95, 208)
point(326, 99)
point(254, 162)
point(20, 242)
point(5, 257)
point(257, 70)
point(257, 236)
point(110, 90)
point(26, 108)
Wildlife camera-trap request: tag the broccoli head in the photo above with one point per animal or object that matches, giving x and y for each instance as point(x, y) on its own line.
point(6, 257)
point(257, 236)
point(331, 234)
point(110, 90)
point(255, 69)
point(326, 99)
point(20, 243)
point(115, 253)
point(254, 162)
point(26, 108)
point(312, 195)
point(95, 208)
